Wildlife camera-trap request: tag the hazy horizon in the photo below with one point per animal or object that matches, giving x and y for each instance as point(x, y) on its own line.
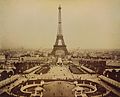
point(87, 24)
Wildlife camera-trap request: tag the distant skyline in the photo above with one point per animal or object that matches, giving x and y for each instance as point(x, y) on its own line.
point(87, 24)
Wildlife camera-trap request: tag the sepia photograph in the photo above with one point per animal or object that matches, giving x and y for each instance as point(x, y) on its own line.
point(59, 48)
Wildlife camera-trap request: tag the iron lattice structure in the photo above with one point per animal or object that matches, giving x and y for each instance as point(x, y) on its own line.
point(59, 44)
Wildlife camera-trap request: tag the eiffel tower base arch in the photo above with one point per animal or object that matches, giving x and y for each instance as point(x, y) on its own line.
point(59, 50)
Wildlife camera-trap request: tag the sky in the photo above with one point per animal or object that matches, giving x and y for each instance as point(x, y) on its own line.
point(85, 23)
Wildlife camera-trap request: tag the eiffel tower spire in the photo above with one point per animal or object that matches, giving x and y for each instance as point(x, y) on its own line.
point(59, 21)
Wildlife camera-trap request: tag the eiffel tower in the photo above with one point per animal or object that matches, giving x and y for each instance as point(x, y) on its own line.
point(59, 49)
